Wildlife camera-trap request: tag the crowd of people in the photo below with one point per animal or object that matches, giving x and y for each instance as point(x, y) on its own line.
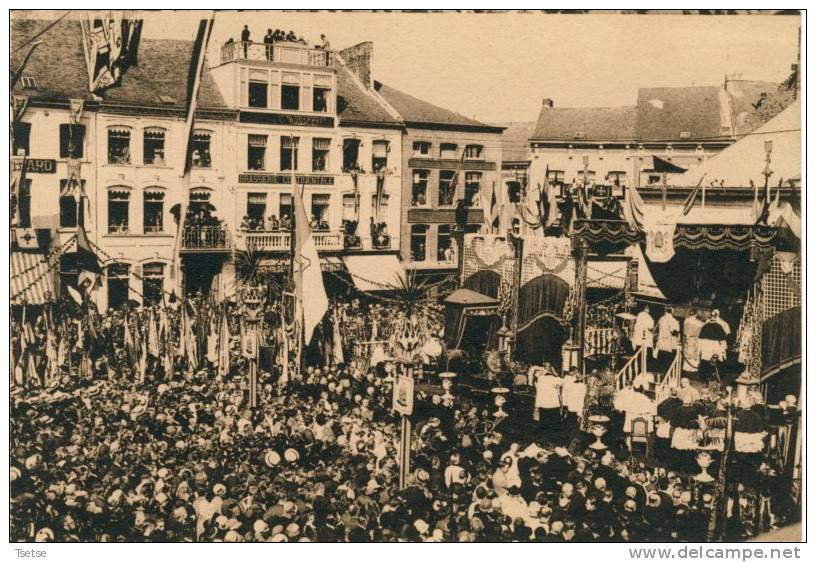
point(123, 451)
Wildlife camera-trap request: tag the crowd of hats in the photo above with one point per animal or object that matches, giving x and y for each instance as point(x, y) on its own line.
point(121, 458)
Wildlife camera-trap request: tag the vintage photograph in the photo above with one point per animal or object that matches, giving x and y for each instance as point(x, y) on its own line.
point(405, 276)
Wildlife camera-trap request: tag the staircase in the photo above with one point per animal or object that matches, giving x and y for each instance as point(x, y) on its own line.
point(664, 382)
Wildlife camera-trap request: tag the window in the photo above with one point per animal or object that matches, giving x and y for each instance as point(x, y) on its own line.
point(654, 179)
point(72, 141)
point(419, 189)
point(383, 205)
point(320, 211)
point(22, 134)
point(256, 209)
point(24, 205)
point(590, 176)
point(379, 155)
point(153, 211)
point(285, 209)
point(616, 177)
point(555, 177)
point(258, 94)
point(473, 152)
point(320, 99)
point(70, 204)
point(118, 211)
point(118, 275)
point(473, 184)
point(350, 207)
point(447, 189)
point(256, 152)
point(201, 156)
point(447, 151)
point(288, 153)
point(290, 97)
point(118, 146)
point(419, 240)
point(514, 191)
point(320, 154)
point(444, 244)
point(69, 274)
point(351, 154)
point(154, 147)
point(152, 283)
point(422, 148)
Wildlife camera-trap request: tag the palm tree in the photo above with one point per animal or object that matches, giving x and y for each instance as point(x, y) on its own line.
point(411, 292)
point(248, 267)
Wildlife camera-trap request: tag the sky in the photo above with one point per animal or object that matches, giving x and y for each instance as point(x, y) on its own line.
point(498, 67)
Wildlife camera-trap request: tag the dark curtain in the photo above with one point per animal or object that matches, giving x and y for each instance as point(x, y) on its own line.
point(485, 282)
point(541, 341)
point(545, 294)
point(453, 315)
point(782, 339)
point(479, 334)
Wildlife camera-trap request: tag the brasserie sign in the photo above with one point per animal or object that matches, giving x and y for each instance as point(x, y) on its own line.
point(284, 179)
point(35, 166)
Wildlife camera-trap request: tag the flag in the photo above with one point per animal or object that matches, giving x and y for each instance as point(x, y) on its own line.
point(152, 337)
point(337, 342)
point(212, 342)
point(85, 256)
point(130, 344)
point(190, 344)
point(224, 341)
point(494, 208)
point(311, 294)
point(52, 356)
point(689, 202)
point(76, 295)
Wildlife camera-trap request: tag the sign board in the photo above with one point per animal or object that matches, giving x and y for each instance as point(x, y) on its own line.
point(35, 165)
point(286, 119)
point(250, 344)
point(285, 179)
point(403, 399)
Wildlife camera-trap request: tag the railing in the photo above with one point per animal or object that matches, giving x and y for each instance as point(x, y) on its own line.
point(286, 52)
point(599, 341)
point(635, 366)
point(203, 238)
point(671, 378)
point(282, 241)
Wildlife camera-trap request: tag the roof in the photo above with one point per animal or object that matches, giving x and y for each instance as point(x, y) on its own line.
point(30, 280)
point(61, 44)
point(416, 111)
point(516, 141)
point(58, 66)
point(596, 123)
point(471, 298)
point(744, 161)
point(356, 106)
point(745, 102)
point(696, 112)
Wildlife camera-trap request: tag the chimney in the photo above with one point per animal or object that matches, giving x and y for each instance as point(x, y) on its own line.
point(358, 60)
point(547, 103)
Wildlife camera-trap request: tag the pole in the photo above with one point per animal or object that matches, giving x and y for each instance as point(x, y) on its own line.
point(581, 279)
point(405, 451)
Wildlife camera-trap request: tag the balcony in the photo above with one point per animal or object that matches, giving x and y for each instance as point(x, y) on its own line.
point(204, 239)
point(284, 52)
point(281, 241)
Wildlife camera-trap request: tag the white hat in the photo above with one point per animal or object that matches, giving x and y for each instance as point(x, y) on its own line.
point(271, 459)
point(44, 535)
point(291, 455)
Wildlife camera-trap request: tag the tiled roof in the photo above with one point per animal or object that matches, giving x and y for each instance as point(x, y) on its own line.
point(586, 123)
point(58, 65)
point(745, 94)
point(356, 106)
point(516, 141)
point(414, 110)
point(665, 113)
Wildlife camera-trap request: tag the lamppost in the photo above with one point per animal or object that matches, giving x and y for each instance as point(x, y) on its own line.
point(252, 317)
point(767, 172)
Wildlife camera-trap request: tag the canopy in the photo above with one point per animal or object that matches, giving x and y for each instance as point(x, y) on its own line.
point(31, 278)
point(378, 272)
point(744, 161)
point(467, 297)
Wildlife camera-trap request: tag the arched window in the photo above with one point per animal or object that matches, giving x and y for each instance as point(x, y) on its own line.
point(118, 276)
point(154, 147)
point(118, 211)
point(119, 145)
point(152, 283)
point(153, 211)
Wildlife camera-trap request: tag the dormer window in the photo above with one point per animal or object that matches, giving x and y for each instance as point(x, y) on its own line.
point(580, 135)
point(685, 134)
point(29, 83)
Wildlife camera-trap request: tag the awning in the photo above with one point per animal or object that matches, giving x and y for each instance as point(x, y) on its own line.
point(658, 165)
point(375, 272)
point(31, 278)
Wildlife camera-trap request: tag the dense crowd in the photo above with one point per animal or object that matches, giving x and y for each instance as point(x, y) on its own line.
point(118, 454)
